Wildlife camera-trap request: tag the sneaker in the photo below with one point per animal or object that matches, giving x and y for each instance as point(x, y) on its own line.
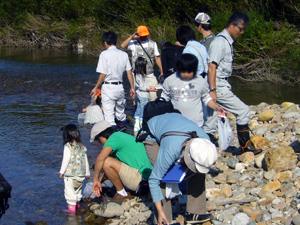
point(119, 197)
point(196, 218)
point(250, 148)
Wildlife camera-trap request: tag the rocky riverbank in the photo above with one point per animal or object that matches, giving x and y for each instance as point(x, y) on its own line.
point(240, 188)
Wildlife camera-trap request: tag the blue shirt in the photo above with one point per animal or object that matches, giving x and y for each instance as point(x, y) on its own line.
point(170, 146)
point(190, 48)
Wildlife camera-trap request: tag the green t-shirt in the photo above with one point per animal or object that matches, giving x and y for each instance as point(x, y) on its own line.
point(128, 151)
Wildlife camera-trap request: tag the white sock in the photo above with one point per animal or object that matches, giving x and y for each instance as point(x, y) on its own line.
point(122, 192)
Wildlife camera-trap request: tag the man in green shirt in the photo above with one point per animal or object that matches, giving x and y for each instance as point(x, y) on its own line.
point(123, 160)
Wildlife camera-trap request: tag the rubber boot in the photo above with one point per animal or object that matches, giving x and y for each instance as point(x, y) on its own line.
point(244, 139)
point(78, 205)
point(71, 209)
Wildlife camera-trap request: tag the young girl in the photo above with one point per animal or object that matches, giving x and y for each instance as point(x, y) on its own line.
point(74, 168)
point(142, 91)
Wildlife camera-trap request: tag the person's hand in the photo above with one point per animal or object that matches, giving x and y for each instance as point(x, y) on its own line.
point(213, 94)
point(61, 175)
point(94, 92)
point(151, 88)
point(132, 93)
point(87, 177)
point(135, 36)
point(177, 43)
point(222, 112)
point(97, 188)
point(162, 219)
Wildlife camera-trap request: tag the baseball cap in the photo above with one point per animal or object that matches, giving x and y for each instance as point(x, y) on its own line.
point(202, 18)
point(142, 31)
point(98, 128)
point(199, 155)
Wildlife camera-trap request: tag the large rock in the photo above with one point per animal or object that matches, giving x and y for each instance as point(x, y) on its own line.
point(266, 115)
point(110, 209)
point(260, 142)
point(286, 105)
point(281, 159)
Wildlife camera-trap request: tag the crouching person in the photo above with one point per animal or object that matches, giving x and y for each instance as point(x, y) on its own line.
point(124, 161)
point(180, 139)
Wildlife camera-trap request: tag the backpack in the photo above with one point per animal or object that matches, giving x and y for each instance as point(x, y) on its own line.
point(157, 107)
point(5, 190)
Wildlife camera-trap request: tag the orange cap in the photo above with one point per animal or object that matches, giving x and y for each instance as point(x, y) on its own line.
point(143, 31)
point(98, 93)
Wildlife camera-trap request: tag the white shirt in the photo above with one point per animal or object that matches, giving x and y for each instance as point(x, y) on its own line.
point(66, 160)
point(113, 63)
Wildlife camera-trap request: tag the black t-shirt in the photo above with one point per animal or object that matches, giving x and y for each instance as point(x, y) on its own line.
point(169, 56)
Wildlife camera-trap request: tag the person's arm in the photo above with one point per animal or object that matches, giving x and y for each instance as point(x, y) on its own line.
point(65, 161)
point(213, 105)
point(131, 82)
point(158, 63)
point(131, 37)
point(212, 71)
point(162, 219)
point(99, 82)
point(87, 168)
point(166, 90)
point(97, 188)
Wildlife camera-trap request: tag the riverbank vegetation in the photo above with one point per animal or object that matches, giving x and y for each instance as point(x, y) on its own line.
point(268, 51)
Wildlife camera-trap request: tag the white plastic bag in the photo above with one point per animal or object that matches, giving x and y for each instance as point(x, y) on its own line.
point(225, 133)
point(93, 114)
point(172, 190)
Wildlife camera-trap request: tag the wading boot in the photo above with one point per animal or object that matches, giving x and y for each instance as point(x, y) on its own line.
point(121, 125)
point(244, 139)
point(71, 209)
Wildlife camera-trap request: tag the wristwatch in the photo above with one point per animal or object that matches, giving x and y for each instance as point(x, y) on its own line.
point(213, 89)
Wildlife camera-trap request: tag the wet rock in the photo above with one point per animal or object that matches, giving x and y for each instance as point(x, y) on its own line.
point(110, 209)
point(266, 115)
point(231, 163)
point(281, 159)
point(240, 219)
point(89, 217)
point(247, 157)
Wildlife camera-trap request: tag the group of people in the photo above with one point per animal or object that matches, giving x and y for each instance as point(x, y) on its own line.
point(195, 81)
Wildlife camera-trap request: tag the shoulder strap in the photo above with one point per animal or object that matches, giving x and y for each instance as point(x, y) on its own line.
point(199, 54)
point(138, 41)
point(192, 134)
point(231, 48)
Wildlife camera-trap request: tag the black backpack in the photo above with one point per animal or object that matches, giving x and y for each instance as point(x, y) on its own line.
point(5, 190)
point(158, 107)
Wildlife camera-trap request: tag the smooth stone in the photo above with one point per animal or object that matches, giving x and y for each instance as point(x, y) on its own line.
point(269, 174)
point(286, 105)
point(210, 184)
point(259, 160)
point(232, 181)
point(89, 217)
point(247, 157)
point(220, 179)
point(281, 159)
point(260, 130)
point(240, 219)
point(235, 176)
point(253, 124)
point(296, 220)
point(283, 176)
point(290, 193)
point(290, 116)
point(292, 108)
point(260, 142)
point(267, 217)
point(231, 163)
point(275, 213)
point(110, 209)
point(266, 115)
point(226, 191)
point(250, 212)
point(296, 173)
point(210, 206)
point(296, 128)
point(273, 186)
point(267, 195)
point(240, 167)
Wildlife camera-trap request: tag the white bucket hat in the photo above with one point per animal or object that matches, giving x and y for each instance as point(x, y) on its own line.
point(200, 154)
point(98, 128)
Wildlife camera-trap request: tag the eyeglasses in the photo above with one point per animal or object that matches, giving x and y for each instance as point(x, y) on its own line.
point(241, 29)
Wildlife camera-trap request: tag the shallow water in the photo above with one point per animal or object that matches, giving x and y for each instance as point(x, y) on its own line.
point(41, 91)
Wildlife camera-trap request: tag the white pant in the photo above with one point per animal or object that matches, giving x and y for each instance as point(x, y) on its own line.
point(231, 103)
point(73, 189)
point(113, 102)
point(152, 81)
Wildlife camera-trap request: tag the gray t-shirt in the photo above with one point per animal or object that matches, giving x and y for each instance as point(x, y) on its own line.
point(187, 96)
point(207, 41)
point(141, 85)
point(221, 52)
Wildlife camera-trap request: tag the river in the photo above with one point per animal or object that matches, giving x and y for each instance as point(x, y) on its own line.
point(41, 91)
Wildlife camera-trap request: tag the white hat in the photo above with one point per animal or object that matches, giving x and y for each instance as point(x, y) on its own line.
point(98, 128)
point(199, 155)
point(202, 18)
